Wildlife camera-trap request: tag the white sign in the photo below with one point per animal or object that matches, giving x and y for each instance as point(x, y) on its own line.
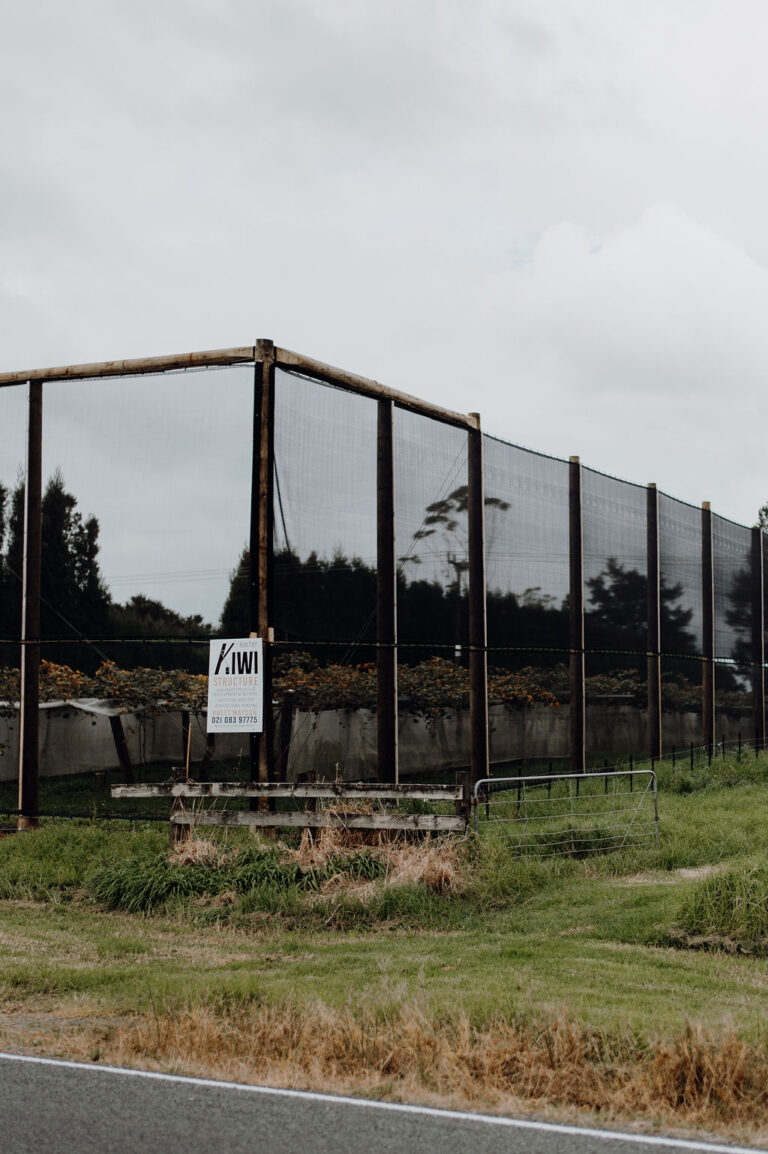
point(236, 686)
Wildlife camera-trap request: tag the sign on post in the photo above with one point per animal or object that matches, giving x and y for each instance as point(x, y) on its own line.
point(236, 686)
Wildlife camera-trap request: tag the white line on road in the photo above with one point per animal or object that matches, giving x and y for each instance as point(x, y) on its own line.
point(397, 1107)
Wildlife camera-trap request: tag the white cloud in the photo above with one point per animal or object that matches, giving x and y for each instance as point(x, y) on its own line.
point(648, 349)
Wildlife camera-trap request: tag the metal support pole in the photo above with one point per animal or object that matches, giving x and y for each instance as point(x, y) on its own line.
point(260, 547)
point(29, 739)
point(576, 602)
point(708, 629)
point(654, 625)
point(386, 598)
point(758, 637)
point(478, 629)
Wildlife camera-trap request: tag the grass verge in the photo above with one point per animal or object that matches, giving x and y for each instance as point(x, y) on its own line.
point(482, 981)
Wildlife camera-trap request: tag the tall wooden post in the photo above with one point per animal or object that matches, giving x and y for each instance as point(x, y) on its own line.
point(386, 598)
point(260, 547)
point(708, 629)
point(654, 625)
point(576, 601)
point(29, 739)
point(758, 638)
point(478, 629)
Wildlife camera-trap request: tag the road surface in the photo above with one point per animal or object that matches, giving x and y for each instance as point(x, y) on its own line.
point(57, 1107)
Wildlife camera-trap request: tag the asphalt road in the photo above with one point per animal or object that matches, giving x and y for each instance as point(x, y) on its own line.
point(49, 1107)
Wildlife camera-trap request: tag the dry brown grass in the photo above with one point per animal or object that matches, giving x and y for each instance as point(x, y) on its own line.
point(435, 863)
point(196, 850)
point(697, 1079)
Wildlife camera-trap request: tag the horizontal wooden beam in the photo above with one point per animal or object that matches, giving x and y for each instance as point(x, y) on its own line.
point(245, 354)
point(397, 821)
point(135, 367)
point(278, 789)
point(353, 383)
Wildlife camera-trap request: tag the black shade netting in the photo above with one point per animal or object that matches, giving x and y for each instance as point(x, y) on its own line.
point(13, 421)
point(732, 568)
point(732, 565)
point(431, 539)
point(615, 536)
point(526, 550)
point(146, 511)
point(617, 708)
point(681, 603)
point(324, 521)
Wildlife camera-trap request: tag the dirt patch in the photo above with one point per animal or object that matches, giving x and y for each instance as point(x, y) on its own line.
point(683, 940)
point(670, 877)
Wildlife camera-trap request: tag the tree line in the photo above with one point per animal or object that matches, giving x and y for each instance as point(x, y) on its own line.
point(76, 607)
point(328, 605)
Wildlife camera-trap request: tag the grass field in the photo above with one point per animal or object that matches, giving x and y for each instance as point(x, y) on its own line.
point(471, 978)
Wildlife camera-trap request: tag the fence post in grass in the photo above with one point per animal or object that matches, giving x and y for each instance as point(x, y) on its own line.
point(654, 623)
point(576, 604)
point(478, 629)
point(386, 598)
point(464, 807)
point(708, 631)
point(758, 634)
point(29, 704)
point(260, 545)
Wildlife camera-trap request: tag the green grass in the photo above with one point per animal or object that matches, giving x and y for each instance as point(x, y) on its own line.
point(523, 936)
point(258, 876)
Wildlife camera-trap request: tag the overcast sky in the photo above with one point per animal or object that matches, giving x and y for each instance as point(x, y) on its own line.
point(550, 211)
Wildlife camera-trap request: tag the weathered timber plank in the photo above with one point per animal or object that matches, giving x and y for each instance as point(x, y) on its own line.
point(279, 789)
point(401, 821)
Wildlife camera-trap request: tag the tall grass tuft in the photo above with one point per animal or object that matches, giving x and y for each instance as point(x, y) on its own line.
point(731, 906)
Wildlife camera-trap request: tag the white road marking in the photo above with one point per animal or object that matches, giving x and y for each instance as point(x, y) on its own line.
point(396, 1107)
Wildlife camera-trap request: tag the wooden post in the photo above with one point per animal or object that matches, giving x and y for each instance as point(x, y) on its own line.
point(576, 601)
point(478, 630)
point(758, 637)
point(386, 599)
point(654, 625)
point(29, 721)
point(708, 629)
point(464, 807)
point(121, 748)
point(205, 765)
point(260, 546)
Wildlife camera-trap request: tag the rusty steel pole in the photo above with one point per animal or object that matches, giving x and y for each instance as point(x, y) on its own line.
point(478, 627)
point(386, 598)
point(654, 624)
point(576, 602)
point(29, 731)
point(260, 546)
point(708, 629)
point(758, 637)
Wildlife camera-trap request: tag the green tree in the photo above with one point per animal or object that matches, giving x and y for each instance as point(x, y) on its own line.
point(236, 614)
point(74, 599)
point(146, 620)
